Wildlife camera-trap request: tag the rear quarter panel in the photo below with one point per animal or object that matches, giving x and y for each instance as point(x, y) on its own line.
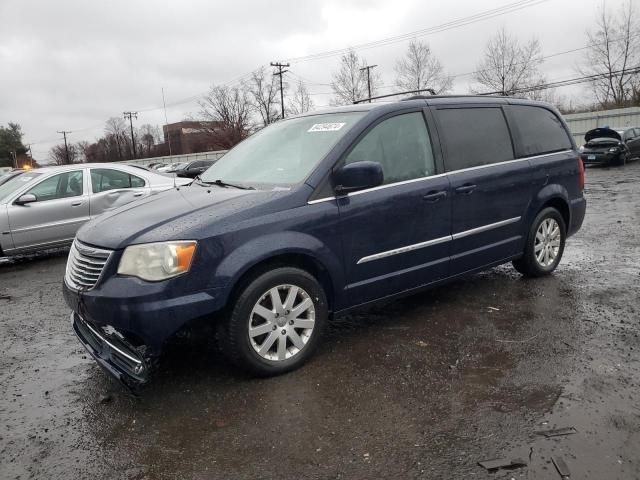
point(555, 176)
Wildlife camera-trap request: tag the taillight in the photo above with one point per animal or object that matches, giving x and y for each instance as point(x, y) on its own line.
point(581, 173)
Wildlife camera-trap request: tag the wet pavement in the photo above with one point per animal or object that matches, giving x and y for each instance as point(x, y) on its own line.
point(421, 388)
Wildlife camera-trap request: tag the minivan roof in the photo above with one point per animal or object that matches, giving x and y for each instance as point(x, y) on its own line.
point(429, 100)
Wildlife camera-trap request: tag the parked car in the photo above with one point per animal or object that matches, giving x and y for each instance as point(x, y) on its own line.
point(44, 208)
point(156, 165)
point(141, 167)
point(611, 147)
point(10, 174)
point(171, 168)
point(193, 169)
point(322, 213)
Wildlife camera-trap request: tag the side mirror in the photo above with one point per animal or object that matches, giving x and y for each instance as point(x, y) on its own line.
point(357, 176)
point(26, 198)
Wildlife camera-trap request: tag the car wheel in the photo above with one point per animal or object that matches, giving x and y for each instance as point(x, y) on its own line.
point(545, 244)
point(276, 322)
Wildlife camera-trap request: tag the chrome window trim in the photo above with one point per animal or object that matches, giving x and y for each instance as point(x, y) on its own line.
point(437, 241)
point(413, 180)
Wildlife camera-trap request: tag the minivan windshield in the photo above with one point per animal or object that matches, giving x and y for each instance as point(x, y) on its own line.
point(284, 153)
point(14, 184)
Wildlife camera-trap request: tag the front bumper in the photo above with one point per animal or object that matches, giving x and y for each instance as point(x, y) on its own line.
point(113, 353)
point(598, 157)
point(149, 313)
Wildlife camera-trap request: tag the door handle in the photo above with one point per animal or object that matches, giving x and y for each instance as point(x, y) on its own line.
point(435, 196)
point(76, 204)
point(138, 194)
point(466, 188)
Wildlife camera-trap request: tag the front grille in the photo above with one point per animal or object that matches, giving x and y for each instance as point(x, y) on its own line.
point(85, 265)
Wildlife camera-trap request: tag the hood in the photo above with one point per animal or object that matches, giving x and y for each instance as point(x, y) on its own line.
point(601, 133)
point(176, 214)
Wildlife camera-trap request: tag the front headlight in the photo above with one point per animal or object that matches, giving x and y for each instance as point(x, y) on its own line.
point(613, 150)
point(157, 261)
point(581, 148)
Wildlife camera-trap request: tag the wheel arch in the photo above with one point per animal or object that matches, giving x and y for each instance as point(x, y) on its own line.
point(555, 196)
point(302, 261)
point(293, 250)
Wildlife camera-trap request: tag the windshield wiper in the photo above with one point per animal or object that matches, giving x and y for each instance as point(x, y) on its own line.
point(220, 183)
point(199, 181)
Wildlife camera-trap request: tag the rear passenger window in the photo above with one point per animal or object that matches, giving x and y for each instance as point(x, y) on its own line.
point(474, 136)
point(401, 145)
point(104, 179)
point(540, 130)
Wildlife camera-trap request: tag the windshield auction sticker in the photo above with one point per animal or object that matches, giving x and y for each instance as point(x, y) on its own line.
point(326, 127)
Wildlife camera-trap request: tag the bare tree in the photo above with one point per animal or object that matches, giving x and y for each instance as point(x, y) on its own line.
point(509, 65)
point(230, 111)
point(82, 147)
point(117, 129)
point(301, 101)
point(614, 49)
point(58, 154)
point(349, 83)
point(148, 135)
point(264, 92)
point(419, 69)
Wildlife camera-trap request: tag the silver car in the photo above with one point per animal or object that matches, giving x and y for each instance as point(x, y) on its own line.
point(44, 208)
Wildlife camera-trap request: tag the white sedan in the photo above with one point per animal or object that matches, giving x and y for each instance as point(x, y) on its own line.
point(44, 208)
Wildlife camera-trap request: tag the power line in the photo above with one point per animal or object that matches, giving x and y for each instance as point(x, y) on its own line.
point(505, 9)
point(542, 59)
point(567, 82)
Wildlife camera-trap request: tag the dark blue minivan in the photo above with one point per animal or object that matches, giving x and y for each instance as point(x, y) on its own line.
point(321, 213)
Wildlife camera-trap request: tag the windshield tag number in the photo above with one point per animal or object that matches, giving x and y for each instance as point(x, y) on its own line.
point(326, 127)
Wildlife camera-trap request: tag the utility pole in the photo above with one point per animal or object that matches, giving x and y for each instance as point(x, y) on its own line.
point(166, 122)
point(280, 72)
point(133, 140)
point(66, 148)
point(368, 69)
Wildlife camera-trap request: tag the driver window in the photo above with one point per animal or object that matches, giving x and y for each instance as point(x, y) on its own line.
point(63, 185)
point(401, 144)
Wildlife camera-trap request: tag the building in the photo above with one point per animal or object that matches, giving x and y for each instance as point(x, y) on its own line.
point(188, 137)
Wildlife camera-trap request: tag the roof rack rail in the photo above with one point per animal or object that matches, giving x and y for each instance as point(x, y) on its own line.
point(418, 97)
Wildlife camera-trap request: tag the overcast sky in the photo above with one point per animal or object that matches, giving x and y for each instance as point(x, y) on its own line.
point(70, 65)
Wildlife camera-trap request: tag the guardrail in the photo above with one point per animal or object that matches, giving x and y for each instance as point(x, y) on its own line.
point(188, 157)
point(617, 119)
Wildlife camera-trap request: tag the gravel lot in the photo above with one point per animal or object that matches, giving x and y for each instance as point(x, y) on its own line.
point(421, 388)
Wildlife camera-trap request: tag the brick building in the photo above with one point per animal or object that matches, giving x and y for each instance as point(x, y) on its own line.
point(188, 137)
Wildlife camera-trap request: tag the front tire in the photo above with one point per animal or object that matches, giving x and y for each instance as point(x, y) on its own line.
point(276, 322)
point(545, 244)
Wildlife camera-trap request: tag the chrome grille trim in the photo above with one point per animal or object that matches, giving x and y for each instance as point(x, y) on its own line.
point(85, 266)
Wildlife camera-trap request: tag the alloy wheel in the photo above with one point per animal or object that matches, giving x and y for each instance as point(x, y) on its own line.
point(281, 322)
point(547, 242)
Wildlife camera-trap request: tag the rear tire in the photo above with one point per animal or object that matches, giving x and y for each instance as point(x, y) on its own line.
point(545, 244)
point(275, 323)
